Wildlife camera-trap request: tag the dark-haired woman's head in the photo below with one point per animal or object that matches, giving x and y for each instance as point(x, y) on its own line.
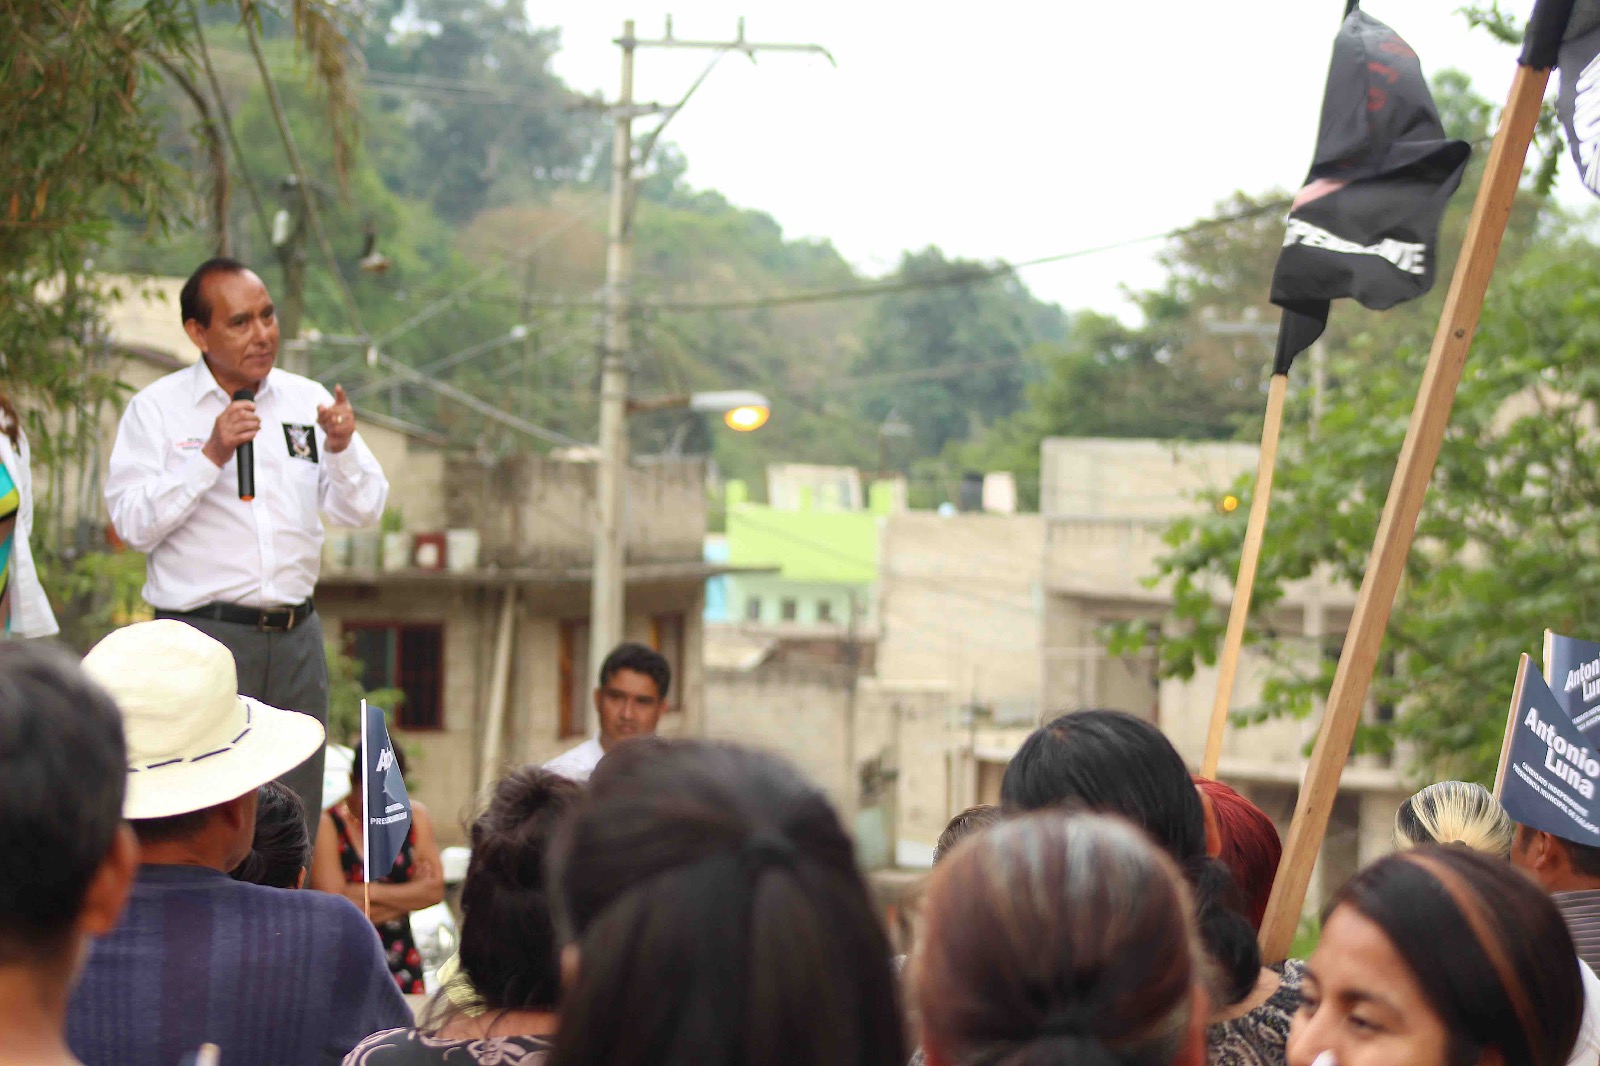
point(718, 918)
point(1113, 762)
point(1059, 940)
point(1440, 956)
point(508, 943)
point(281, 849)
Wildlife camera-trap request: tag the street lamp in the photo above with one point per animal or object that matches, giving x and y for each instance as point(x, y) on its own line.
point(741, 409)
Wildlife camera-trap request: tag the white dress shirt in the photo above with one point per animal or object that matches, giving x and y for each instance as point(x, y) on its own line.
point(206, 545)
point(576, 764)
point(1587, 1050)
point(30, 609)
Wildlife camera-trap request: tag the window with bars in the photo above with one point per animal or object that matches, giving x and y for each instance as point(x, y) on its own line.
point(408, 656)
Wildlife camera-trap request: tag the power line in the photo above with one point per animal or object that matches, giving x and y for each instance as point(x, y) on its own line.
point(513, 94)
point(885, 287)
point(449, 300)
point(962, 277)
point(307, 199)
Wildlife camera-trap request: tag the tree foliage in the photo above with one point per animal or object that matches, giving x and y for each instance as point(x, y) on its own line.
point(1506, 545)
point(487, 121)
point(74, 82)
point(948, 358)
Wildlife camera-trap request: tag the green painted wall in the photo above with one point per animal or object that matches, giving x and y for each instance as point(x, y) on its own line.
point(832, 547)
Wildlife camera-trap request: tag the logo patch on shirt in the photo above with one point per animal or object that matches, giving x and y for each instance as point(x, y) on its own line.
point(189, 444)
point(302, 441)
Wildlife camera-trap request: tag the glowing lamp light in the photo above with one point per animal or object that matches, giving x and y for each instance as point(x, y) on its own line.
point(742, 409)
point(747, 419)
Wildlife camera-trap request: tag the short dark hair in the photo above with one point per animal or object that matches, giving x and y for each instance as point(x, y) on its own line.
point(508, 939)
point(281, 849)
point(641, 660)
point(1491, 953)
point(1583, 858)
point(173, 827)
point(720, 916)
point(970, 821)
point(61, 794)
point(191, 299)
point(1110, 761)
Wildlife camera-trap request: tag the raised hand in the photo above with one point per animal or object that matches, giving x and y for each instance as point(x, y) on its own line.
point(338, 421)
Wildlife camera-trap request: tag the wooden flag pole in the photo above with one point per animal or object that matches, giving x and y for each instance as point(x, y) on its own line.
point(1398, 525)
point(1511, 724)
point(1239, 612)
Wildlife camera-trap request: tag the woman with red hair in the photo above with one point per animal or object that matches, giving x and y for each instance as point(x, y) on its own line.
point(1244, 838)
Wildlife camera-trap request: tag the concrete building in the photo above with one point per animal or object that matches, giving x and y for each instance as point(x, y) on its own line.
point(811, 556)
point(1009, 613)
point(477, 608)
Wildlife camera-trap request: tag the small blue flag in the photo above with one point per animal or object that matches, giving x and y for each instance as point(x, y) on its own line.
point(383, 797)
point(1572, 667)
point(1549, 775)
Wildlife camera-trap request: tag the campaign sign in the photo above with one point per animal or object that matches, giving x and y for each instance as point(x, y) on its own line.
point(1572, 667)
point(1549, 776)
point(383, 797)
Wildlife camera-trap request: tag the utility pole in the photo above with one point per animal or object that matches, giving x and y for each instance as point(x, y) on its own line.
point(607, 595)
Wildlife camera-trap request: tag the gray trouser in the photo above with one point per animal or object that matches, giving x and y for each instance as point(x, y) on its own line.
point(288, 670)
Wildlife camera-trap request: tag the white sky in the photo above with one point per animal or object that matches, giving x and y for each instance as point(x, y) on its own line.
point(1004, 129)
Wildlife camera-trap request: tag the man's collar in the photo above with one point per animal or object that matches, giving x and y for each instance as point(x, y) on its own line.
point(205, 383)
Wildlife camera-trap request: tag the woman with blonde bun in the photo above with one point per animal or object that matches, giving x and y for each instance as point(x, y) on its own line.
point(1460, 812)
point(1454, 812)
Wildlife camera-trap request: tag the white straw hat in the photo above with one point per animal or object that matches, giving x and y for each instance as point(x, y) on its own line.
point(193, 741)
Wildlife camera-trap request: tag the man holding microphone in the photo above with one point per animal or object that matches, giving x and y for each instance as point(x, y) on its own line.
point(219, 473)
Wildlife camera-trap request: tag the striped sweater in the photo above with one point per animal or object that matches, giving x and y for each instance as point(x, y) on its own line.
point(273, 977)
point(1581, 910)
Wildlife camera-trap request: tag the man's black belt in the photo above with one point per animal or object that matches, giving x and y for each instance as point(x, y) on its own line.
point(266, 619)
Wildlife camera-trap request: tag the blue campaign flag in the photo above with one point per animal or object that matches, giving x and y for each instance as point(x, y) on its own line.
point(1572, 667)
point(383, 797)
point(1548, 774)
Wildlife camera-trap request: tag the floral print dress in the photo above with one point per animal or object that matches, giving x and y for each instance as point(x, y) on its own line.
point(405, 963)
point(407, 1047)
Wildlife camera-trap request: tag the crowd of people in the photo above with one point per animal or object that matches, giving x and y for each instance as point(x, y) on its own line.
point(697, 903)
point(180, 886)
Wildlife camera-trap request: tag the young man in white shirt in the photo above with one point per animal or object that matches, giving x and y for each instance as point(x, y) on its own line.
point(241, 570)
point(630, 700)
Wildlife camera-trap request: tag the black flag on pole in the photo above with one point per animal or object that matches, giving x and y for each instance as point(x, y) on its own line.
point(1366, 223)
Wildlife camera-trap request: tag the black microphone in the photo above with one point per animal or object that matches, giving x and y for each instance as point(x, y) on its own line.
point(245, 456)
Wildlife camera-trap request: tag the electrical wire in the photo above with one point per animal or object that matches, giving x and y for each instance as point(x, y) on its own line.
point(444, 303)
point(891, 286)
